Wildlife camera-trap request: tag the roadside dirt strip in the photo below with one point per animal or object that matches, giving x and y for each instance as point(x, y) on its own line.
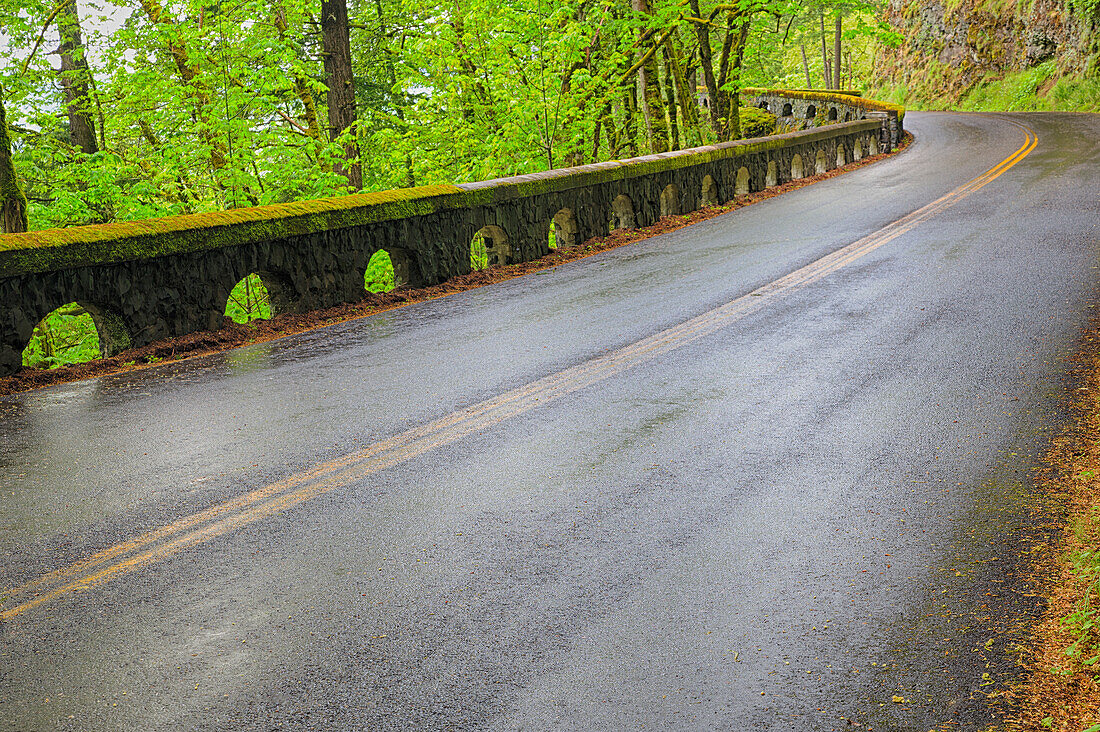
point(1060, 690)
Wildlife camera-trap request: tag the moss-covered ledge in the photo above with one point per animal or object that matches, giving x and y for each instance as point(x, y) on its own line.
point(562, 179)
point(828, 96)
point(53, 249)
point(846, 92)
point(58, 249)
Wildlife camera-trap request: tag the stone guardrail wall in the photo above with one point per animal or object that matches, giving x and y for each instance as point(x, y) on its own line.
point(146, 280)
point(804, 108)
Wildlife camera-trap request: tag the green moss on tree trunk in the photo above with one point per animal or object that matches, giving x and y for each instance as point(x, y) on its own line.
point(13, 204)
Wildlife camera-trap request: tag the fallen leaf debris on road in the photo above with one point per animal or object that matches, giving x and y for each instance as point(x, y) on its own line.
point(1062, 661)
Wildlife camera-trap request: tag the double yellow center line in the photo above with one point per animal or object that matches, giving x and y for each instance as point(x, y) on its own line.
point(236, 513)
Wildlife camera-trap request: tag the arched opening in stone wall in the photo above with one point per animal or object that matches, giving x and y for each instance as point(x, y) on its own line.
point(74, 333)
point(763, 105)
point(490, 248)
point(821, 163)
point(847, 116)
point(857, 151)
point(249, 300)
point(479, 258)
point(741, 186)
point(622, 213)
point(66, 335)
point(832, 114)
point(563, 230)
point(709, 194)
point(841, 160)
point(788, 110)
point(773, 174)
point(796, 167)
point(387, 270)
point(670, 200)
point(379, 275)
point(811, 111)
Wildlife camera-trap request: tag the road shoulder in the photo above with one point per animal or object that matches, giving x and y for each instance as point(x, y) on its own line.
point(1061, 661)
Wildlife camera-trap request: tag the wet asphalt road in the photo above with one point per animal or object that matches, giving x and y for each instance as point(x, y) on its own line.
point(779, 525)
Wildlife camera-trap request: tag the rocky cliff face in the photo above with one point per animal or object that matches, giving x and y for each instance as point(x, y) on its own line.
point(948, 47)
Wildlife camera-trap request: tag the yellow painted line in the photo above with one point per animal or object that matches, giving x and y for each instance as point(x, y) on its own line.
point(236, 513)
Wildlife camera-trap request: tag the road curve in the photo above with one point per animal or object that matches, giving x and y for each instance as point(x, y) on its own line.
point(766, 472)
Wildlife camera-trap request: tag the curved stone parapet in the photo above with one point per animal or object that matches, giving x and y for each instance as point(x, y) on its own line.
point(806, 108)
point(146, 280)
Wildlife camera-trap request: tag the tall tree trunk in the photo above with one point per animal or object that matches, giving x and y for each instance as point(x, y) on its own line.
point(603, 120)
point(99, 113)
point(826, 71)
point(706, 61)
point(837, 57)
point(639, 94)
point(74, 77)
point(729, 70)
point(670, 100)
point(336, 44)
point(630, 122)
point(734, 123)
point(806, 68)
point(13, 204)
point(685, 90)
point(649, 94)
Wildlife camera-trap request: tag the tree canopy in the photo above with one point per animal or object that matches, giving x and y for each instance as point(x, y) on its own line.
point(157, 107)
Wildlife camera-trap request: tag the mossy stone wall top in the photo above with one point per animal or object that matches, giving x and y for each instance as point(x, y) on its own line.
point(857, 102)
point(520, 186)
point(52, 249)
point(56, 249)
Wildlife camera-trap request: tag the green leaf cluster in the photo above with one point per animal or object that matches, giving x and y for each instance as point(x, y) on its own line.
point(203, 107)
point(379, 276)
